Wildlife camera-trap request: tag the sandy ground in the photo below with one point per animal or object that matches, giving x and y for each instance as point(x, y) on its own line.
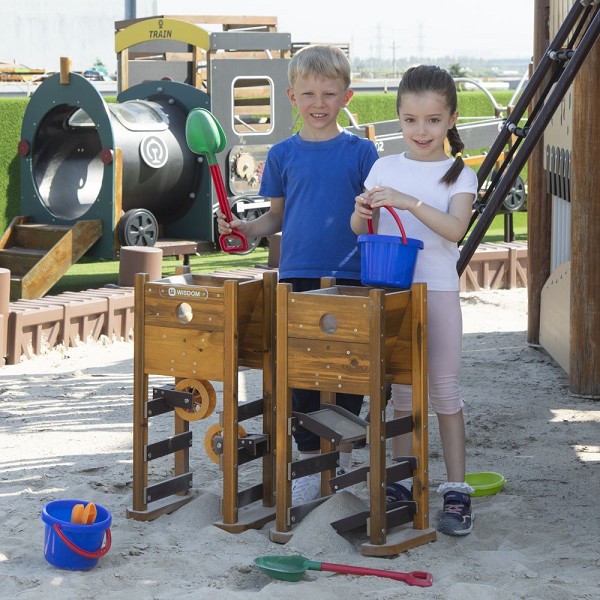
point(65, 433)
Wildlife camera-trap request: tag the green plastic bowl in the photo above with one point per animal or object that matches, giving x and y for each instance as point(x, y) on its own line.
point(486, 483)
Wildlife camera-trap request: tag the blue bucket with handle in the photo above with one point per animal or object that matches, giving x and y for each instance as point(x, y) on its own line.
point(387, 260)
point(74, 546)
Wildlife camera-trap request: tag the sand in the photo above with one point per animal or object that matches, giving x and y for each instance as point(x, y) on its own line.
point(66, 433)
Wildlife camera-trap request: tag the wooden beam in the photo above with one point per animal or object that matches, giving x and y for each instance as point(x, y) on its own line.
point(584, 370)
point(539, 205)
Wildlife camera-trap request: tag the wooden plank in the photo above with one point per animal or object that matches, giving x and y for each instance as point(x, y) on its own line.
point(584, 364)
point(330, 366)
point(229, 459)
point(539, 202)
point(180, 352)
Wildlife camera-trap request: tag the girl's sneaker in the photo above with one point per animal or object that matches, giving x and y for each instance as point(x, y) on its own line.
point(457, 516)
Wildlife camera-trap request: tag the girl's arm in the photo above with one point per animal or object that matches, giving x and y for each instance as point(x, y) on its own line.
point(451, 225)
point(267, 224)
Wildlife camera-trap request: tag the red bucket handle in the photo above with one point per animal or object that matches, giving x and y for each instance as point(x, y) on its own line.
point(97, 554)
point(398, 221)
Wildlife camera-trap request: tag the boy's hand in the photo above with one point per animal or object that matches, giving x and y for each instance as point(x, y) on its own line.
point(224, 227)
point(362, 206)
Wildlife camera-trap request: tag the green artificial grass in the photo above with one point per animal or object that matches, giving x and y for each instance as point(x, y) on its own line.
point(89, 274)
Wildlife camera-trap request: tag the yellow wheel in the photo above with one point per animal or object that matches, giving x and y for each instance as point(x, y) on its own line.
point(204, 400)
point(212, 432)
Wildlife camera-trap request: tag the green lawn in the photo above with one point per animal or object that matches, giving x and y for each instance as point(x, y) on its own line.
point(89, 274)
point(495, 232)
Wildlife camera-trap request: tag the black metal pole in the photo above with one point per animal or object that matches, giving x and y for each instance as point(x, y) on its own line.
point(533, 136)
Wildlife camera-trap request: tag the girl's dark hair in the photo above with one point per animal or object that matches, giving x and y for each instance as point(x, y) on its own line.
point(429, 78)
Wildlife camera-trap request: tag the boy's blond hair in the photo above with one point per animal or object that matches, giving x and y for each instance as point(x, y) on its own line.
point(320, 60)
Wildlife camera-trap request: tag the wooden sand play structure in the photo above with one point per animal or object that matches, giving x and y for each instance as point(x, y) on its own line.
point(204, 328)
point(354, 339)
point(200, 329)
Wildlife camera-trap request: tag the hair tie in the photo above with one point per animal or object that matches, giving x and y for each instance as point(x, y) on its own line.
point(458, 155)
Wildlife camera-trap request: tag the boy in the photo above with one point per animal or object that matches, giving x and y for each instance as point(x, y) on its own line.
point(312, 179)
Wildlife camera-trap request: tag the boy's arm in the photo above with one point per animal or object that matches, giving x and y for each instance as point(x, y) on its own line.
point(267, 224)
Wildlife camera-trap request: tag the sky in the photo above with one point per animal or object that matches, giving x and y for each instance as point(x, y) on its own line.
point(423, 28)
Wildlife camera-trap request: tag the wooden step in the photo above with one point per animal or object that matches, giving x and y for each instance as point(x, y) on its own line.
point(20, 261)
point(38, 235)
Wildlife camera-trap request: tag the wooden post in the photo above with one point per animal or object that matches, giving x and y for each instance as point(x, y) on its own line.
point(584, 365)
point(65, 70)
point(140, 395)
point(539, 205)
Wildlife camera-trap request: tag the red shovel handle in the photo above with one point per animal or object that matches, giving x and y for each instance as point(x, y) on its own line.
point(97, 554)
point(418, 578)
point(235, 241)
point(398, 221)
point(221, 192)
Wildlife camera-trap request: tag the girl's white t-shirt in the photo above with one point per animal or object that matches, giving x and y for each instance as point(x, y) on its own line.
point(436, 262)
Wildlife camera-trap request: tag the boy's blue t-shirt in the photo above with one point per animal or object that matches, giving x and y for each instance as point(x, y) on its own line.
point(319, 182)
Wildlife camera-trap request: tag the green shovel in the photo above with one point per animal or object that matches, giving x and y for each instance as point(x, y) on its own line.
point(204, 135)
point(292, 568)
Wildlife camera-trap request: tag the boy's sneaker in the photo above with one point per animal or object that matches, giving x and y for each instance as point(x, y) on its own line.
point(457, 517)
point(396, 492)
point(305, 489)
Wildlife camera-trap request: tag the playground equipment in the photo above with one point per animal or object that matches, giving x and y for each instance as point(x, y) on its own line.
point(242, 68)
point(98, 175)
point(354, 339)
point(200, 329)
point(575, 38)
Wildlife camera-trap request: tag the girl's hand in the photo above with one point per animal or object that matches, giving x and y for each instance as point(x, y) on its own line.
point(385, 196)
point(224, 227)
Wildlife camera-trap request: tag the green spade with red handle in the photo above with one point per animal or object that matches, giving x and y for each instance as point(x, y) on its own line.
point(204, 135)
point(292, 568)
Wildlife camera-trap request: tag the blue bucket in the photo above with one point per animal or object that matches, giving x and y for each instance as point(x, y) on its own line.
point(387, 260)
point(74, 546)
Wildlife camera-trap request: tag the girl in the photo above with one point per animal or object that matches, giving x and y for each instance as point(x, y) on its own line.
point(435, 194)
